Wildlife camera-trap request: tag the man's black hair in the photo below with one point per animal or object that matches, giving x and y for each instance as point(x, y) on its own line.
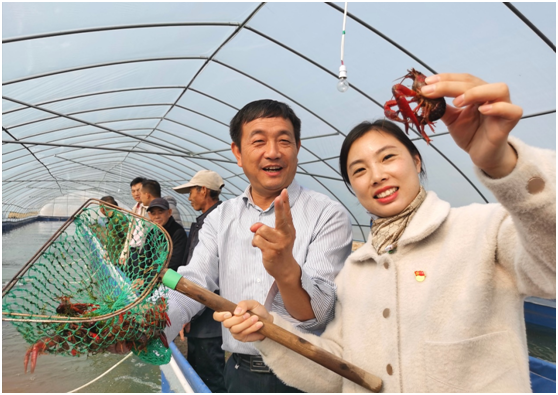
point(262, 109)
point(152, 187)
point(137, 180)
point(109, 199)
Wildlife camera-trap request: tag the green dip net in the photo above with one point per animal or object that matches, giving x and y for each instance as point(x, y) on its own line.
point(93, 287)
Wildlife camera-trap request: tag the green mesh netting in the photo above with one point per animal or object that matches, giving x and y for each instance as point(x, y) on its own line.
point(93, 288)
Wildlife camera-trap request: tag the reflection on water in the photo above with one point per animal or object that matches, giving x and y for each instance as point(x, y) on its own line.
point(541, 342)
point(56, 373)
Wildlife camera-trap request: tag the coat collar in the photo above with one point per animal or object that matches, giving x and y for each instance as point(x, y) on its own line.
point(200, 220)
point(429, 216)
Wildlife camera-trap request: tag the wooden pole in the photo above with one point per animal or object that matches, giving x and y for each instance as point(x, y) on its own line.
point(285, 338)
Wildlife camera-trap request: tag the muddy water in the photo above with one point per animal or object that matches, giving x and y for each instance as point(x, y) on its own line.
point(60, 373)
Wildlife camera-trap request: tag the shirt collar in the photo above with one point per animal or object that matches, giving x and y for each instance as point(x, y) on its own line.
point(294, 191)
point(201, 218)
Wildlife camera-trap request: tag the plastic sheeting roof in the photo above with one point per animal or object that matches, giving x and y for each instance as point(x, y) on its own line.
point(95, 94)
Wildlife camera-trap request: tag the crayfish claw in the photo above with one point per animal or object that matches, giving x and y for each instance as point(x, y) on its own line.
point(167, 318)
point(34, 355)
point(26, 360)
point(163, 338)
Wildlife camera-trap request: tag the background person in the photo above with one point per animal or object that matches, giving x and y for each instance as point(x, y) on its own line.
point(204, 333)
point(433, 302)
point(174, 207)
point(159, 211)
point(135, 189)
point(135, 235)
point(113, 235)
point(294, 273)
point(150, 189)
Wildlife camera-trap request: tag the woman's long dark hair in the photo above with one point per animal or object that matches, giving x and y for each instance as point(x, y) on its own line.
point(380, 125)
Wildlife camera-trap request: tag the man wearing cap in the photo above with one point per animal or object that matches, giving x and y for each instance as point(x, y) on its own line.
point(204, 333)
point(160, 212)
point(277, 243)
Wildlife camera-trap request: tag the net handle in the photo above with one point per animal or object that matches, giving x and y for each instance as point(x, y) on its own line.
point(297, 344)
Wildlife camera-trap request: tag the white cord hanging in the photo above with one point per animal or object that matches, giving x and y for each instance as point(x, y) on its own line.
point(343, 84)
point(92, 381)
point(343, 35)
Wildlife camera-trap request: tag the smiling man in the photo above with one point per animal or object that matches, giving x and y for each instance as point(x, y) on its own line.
point(278, 243)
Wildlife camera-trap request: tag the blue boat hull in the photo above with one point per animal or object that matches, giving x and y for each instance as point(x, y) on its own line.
point(541, 312)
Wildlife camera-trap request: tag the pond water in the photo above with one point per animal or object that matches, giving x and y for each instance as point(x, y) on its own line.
point(60, 373)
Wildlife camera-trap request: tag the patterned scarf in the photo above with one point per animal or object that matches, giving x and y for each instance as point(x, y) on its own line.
point(387, 231)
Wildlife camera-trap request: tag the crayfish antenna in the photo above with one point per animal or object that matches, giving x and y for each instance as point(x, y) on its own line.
point(423, 133)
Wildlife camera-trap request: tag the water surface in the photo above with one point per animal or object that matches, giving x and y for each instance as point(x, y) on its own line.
point(55, 373)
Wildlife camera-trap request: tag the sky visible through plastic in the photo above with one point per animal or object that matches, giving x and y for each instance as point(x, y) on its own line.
point(95, 94)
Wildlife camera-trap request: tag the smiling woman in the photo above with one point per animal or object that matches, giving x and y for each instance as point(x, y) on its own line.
point(381, 156)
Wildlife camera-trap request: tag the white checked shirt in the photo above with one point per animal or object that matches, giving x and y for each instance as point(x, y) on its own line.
point(225, 259)
point(137, 233)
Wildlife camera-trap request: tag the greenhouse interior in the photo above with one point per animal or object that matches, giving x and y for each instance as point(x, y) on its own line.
point(96, 94)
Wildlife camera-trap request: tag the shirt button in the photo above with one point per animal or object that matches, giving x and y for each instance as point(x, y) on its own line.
point(386, 313)
point(535, 185)
point(389, 369)
point(258, 280)
point(386, 264)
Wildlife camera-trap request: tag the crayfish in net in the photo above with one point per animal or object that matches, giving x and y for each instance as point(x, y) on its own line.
point(128, 331)
point(426, 111)
point(74, 309)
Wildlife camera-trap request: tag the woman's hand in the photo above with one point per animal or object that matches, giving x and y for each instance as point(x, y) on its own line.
point(481, 120)
point(242, 325)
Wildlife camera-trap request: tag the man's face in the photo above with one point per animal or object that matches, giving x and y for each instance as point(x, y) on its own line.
point(268, 155)
point(159, 216)
point(136, 191)
point(145, 197)
point(197, 198)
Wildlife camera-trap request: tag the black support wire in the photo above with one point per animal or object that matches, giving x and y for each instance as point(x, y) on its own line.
point(383, 36)
point(207, 60)
point(531, 25)
point(175, 87)
point(38, 160)
point(120, 27)
point(88, 123)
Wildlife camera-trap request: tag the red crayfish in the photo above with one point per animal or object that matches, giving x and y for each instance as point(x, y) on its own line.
point(425, 113)
point(127, 331)
point(74, 309)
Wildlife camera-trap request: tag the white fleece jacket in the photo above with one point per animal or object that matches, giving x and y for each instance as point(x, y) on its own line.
point(461, 329)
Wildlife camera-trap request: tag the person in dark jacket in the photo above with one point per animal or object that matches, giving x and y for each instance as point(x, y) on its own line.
point(160, 212)
point(142, 271)
point(204, 334)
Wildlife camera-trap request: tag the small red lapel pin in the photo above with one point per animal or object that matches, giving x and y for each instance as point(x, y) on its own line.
point(420, 276)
